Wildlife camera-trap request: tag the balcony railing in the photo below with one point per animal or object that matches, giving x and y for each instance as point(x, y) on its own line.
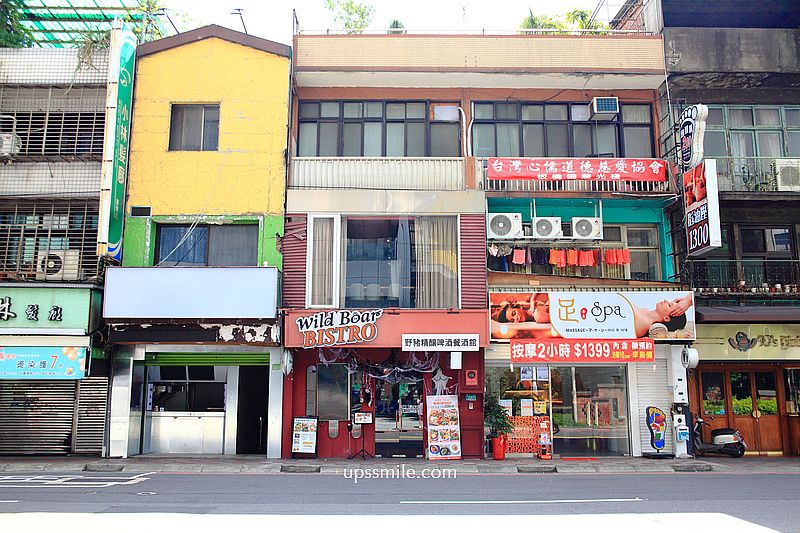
point(403, 173)
point(758, 174)
point(744, 275)
point(572, 186)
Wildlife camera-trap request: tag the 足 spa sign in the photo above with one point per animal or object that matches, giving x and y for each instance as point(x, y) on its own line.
point(334, 328)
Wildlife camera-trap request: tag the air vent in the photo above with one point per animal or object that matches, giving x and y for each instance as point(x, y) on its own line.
point(604, 107)
point(547, 228)
point(140, 210)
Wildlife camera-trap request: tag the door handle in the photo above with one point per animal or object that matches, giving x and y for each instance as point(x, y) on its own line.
point(756, 414)
point(260, 431)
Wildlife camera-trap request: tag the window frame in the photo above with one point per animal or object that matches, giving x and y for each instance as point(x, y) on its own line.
point(209, 226)
point(570, 122)
point(204, 106)
point(383, 120)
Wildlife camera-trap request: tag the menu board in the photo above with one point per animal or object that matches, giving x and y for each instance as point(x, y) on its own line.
point(444, 430)
point(304, 435)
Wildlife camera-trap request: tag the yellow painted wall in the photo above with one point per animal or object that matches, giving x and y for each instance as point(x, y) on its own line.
point(247, 174)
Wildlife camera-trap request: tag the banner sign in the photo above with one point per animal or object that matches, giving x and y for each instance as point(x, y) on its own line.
point(693, 129)
point(444, 430)
point(660, 315)
point(42, 362)
point(332, 328)
point(39, 310)
point(304, 435)
point(119, 99)
point(749, 342)
point(565, 169)
point(582, 351)
point(468, 342)
point(701, 200)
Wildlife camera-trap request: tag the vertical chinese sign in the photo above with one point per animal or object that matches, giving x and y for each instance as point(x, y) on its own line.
point(700, 190)
point(119, 100)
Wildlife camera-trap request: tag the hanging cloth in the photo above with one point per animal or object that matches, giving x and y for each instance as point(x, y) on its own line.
point(561, 258)
point(518, 258)
point(626, 257)
point(585, 258)
point(504, 263)
point(504, 250)
point(572, 257)
point(540, 256)
point(553, 256)
point(611, 257)
point(494, 263)
point(493, 250)
point(528, 256)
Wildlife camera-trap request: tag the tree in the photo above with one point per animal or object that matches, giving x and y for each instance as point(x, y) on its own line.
point(355, 17)
point(396, 27)
point(535, 22)
point(582, 19)
point(12, 33)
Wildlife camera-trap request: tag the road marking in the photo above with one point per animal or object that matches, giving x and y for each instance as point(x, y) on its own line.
point(84, 481)
point(9, 501)
point(495, 502)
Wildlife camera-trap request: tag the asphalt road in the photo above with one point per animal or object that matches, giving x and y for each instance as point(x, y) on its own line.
point(770, 500)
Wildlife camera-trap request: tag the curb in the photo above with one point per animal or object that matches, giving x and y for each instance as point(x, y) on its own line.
point(537, 469)
point(103, 467)
point(300, 469)
point(692, 467)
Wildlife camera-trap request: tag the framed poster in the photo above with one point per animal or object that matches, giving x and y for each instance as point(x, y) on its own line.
point(526, 407)
point(444, 429)
point(304, 434)
point(526, 373)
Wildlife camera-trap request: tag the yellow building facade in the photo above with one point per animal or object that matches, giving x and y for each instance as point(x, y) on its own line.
point(242, 178)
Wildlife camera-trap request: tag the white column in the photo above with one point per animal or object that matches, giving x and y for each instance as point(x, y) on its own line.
point(275, 404)
point(120, 403)
point(231, 410)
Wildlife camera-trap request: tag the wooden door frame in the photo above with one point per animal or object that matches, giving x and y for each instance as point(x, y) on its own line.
point(696, 392)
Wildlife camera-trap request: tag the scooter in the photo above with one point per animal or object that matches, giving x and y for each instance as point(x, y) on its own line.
point(726, 441)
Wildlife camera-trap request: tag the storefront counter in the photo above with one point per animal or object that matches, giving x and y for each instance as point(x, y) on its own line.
point(184, 432)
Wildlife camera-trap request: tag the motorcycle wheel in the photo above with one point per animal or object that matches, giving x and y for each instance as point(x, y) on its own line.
point(736, 450)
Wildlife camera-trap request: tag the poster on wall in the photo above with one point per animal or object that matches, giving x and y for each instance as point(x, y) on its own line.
point(701, 201)
point(42, 362)
point(304, 435)
point(508, 406)
point(444, 429)
point(659, 315)
point(526, 406)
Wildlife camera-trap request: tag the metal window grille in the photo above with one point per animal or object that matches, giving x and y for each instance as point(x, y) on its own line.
point(47, 122)
point(49, 240)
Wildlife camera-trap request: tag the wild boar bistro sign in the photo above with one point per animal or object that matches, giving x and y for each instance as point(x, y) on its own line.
point(332, 328)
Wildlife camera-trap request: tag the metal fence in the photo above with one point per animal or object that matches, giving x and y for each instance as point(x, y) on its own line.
point(744, 275)
point(403, 173)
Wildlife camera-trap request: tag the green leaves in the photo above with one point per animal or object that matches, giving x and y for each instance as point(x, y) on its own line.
point(353, 16)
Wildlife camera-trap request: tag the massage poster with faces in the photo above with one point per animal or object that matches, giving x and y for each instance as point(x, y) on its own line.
point(592, 315)
point(444, 429)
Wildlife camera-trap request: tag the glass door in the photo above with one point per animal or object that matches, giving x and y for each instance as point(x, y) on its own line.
point(398, 418)
point(754, 405)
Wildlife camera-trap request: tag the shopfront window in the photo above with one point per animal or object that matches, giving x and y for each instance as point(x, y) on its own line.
point(713, 393)
point(180, 388)
point(333, 392)
point(741, 393)
point(587, 405)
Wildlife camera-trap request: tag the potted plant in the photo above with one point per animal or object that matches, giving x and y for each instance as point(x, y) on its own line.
point(499, 423)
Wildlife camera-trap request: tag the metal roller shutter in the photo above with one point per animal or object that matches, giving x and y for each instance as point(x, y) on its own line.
point(653, 389)
point(40, 417)
point(92, 400)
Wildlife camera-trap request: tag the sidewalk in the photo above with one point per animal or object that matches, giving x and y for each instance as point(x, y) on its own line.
point(255, 464)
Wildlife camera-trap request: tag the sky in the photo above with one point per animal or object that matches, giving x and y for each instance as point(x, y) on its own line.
point(272, 19)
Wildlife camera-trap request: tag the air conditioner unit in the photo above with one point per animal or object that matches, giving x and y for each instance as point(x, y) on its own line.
point(604, 107)
point(587, 228)
point(505, 226)
point(788, 171)
point(9, 144)
point(58, 265)
point(547, 228)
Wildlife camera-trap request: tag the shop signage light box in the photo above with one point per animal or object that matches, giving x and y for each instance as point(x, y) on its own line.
point(202, 292)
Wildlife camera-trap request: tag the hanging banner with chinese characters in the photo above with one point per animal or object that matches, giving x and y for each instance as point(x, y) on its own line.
point(119, 99)
point(567, 169)
point(582, 351)
point(468, 342)
point(701, 201)
point(42, 362)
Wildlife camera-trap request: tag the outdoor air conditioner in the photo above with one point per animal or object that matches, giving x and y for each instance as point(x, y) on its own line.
point(604, 107)
point(58, 265)
point(505, 226)
point(788, 171)
point(547, 228)
point(9, 144)
point(587, 228)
